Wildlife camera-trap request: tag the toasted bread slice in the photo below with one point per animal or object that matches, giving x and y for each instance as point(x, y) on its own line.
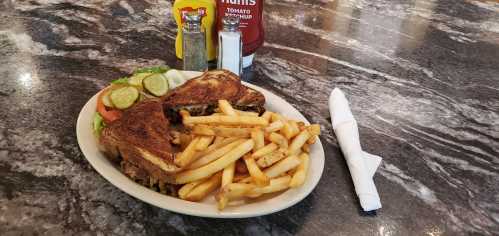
point(200, 95)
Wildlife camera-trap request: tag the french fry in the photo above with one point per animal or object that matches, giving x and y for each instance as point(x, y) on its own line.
point(265, 150)
point(185, 140)
point(274, 126)
point(228, 174)
point(276, 185)
point(312, 139)
point(258, 137)
point(298, 141)
point(267, 115)
point(282, 166)
point(246, 113)
point(271, 158)
point(203, 189)
point(218, 139)
point(301, 171)
point(222, 131)
point(231, 191)
point(239, 177)
point(247, 179)
point(203, 160)
point(276, 116)
point(222, 199)
point(187, 156)
point(204, 142)
point(215, 146)
point(290, 129)
point(241, 167)
point(225, 120)
point(258, 176)
point(306, 148)
point(187, 188)
point(217, 165)
point(226, 108)
point(184, 114)
point(278, 139)
point(314, 129)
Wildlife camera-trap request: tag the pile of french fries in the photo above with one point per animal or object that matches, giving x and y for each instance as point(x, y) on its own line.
point(241, 155)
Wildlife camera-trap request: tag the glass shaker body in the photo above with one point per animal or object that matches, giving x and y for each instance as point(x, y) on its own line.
point(194, 43)
point(230, 46)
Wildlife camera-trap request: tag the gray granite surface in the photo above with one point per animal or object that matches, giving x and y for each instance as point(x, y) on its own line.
point(422, 78)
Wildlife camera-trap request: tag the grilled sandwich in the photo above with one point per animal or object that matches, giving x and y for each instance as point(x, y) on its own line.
point(140, 140)
point(200, 95)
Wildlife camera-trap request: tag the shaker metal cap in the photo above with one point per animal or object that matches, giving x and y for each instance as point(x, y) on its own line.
point(192, 16)
point(230, 22)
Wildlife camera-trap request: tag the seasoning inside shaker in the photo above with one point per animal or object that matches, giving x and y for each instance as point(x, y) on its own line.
point(194, 43)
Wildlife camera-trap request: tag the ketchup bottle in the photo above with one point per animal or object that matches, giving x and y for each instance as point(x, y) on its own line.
point(250, 13)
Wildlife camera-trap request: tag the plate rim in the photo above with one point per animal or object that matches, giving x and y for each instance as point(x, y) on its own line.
point(137, 191)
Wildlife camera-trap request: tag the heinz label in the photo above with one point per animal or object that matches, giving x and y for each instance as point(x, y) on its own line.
point(250, 14)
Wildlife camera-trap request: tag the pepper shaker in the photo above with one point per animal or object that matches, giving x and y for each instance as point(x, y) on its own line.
point(194, 43)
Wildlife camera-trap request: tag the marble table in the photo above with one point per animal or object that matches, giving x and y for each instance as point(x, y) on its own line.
point(422, 78)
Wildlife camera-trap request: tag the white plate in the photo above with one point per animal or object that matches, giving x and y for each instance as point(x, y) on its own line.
point(89, 146)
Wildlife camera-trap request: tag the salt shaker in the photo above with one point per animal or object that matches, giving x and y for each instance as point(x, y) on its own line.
point(230, 46)
point(194, 43)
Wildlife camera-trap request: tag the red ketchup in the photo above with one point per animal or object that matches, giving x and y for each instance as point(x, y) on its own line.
point(250, 13)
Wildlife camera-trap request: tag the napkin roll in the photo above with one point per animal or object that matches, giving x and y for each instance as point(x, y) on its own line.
point(362, 165)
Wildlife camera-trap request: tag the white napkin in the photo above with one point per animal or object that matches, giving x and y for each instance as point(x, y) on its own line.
point(362, 165)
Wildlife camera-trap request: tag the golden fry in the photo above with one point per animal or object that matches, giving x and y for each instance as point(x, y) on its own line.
point(217, 165)
point(228, 174)
point(276, 116)
point(314, 129)
point(276, 185)
point(184, 114)
point(258, 176)
point(258, 136)
point(271, 158)
point(225, 120)
point(312, 139)
point(187, 156)
point(222, 131)
point(274, 126)
point(282, 166)
point(265, 150)
point(298, 141)
point(204, 142)
point(203, 160)
point(267, 115)
point(306, 148)
point(301, 171)
point(226, 108)
point(239, 177)
point(218, 139)
point(187, 188)
point(290, 129)
point(203, 189)
point(185, 140)
point(278, 139)
point(231, 191)
point(246, 113)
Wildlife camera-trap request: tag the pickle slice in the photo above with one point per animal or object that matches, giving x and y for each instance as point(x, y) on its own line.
point(123, 98)
point(156, 84)
point(175, 78)
point(136, 80)
point(105, 99)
